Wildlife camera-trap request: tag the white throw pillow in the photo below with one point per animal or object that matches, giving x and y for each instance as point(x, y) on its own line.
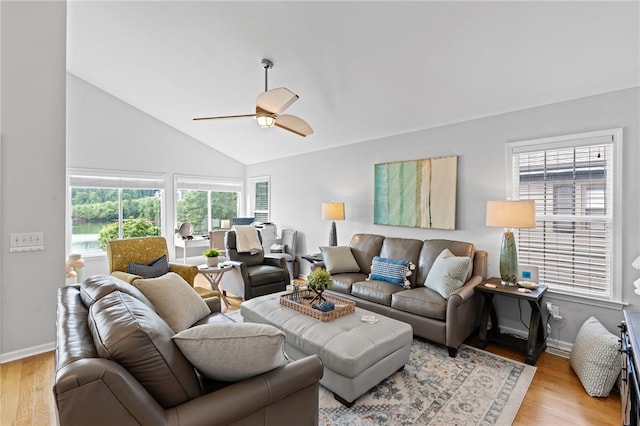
point(232, 352)
point(339, 259)
point(595, 358)
point(448, 273)
point(177, 303)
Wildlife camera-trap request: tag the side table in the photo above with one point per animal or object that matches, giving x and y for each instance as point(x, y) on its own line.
point(535, 342)
point(214, 274)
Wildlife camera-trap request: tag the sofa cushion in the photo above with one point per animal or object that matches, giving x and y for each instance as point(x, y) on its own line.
point(364, 247)
point(97, 286)
point(232, 352)
point(154, 269)
point(265, 274)
point(448, 273)
point(595, 358)
point(391, 270)
point(431, 249)
point(375, 291)
point(129, 332)
point(402, 248)
point(177, 303)
point(339, 259)
point(342, 283)
point(420, 301)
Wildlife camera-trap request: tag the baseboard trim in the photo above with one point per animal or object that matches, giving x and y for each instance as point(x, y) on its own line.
point(554, 346)
point(27, 352)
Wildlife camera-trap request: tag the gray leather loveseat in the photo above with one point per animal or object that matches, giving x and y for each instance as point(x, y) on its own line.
point(163, 388)
point(445, 321)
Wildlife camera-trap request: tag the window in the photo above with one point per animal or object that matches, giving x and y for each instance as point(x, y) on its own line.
point(207, 203)
point(573, 180)
point(260, 197)
point(110, 205)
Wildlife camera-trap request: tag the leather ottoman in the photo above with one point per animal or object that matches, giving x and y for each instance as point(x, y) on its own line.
point(356, 355)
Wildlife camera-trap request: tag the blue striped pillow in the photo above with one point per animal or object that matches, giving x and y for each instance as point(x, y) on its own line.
point(390, 270)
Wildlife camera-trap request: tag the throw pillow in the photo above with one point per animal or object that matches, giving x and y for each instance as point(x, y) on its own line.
point(232, 352)
point(391, 270)
point(177, 303)
point(155, 269)
point(448, 273)
point(339, 259)
point(595, 358)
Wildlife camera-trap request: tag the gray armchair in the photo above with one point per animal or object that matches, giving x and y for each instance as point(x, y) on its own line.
point(287, 250)
point(260, 274)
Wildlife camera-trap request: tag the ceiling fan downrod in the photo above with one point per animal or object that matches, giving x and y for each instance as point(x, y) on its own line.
point(267, 65)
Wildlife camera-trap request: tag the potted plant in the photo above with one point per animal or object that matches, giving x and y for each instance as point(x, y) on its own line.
point(318, 281)
point(212, 256)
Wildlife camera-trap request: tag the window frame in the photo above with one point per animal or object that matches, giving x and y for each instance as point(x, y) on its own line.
point(615, 136)
point(252, 193)
point(97, 178)
point(204, 183)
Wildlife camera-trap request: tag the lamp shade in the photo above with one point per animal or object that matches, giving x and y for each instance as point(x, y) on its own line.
point(511, 214)
point(333, 211)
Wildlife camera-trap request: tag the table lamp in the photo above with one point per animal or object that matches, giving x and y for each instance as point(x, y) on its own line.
point(333, 211)
point(511, 214)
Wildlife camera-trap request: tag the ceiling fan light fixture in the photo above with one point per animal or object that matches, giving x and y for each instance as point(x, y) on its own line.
point(266, 121)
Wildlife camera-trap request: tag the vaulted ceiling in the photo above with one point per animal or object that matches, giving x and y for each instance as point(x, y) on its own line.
point(363, 70)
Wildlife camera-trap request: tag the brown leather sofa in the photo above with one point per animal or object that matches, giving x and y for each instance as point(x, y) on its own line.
point(445, 321)
point(94, 390)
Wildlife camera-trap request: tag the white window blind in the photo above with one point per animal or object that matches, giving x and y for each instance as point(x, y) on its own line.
point(571, 180)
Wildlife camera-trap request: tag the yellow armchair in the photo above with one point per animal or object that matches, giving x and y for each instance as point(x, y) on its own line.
point(145, 250)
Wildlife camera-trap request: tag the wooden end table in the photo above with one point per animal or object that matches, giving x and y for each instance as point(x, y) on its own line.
point(214, 274)
point(535, 342)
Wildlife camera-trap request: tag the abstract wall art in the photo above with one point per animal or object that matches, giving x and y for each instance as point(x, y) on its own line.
point(418, 193)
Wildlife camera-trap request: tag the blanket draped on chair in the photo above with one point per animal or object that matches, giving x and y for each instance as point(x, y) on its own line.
point(247, 239)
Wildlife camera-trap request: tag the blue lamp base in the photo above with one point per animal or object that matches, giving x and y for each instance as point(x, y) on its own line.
point(508, 259)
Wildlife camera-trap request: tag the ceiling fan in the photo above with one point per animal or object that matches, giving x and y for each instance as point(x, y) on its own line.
point(269, 107)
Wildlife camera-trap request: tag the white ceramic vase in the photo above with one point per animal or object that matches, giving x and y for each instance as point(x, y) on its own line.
point(212, 261)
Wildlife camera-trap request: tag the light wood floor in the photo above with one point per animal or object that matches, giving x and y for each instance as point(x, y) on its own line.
point(555, 396)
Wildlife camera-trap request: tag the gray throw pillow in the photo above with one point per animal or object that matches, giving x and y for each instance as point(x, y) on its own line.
point(232, 352)
point(448, 273)
point(157, 268)
point(595, 358)
point(339, 259)
point(177, 303)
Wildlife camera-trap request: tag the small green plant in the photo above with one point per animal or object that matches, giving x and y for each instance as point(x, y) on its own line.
point(212, 252)
point(319, 279)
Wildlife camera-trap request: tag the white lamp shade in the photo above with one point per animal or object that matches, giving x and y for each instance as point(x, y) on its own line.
point(333, 211)
point(511, 214)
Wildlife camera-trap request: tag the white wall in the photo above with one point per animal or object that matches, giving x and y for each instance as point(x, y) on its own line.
point(32, 141)
point(301, 183)
point(104, 132)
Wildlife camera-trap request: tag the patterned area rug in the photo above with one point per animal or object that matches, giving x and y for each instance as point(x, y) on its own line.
point(475, 388)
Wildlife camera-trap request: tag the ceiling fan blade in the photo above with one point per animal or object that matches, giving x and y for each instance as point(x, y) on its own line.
point(225, 116)
point(294, 124)
point(276, 100)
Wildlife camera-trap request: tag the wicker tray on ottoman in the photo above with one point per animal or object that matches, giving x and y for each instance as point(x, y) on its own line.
point(301, 302)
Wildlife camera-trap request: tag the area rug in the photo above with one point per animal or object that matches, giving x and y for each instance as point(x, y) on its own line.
point(475, 388)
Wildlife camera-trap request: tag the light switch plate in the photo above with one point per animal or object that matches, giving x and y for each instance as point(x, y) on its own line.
point(26, 241)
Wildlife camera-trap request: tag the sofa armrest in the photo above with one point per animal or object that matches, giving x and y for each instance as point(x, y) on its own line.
point(463, 312)
point(97, 391)
point(242, 399)
point(125, 276)
point(188, 272)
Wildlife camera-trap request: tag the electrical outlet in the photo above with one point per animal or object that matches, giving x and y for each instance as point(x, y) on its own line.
point(554, 310)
